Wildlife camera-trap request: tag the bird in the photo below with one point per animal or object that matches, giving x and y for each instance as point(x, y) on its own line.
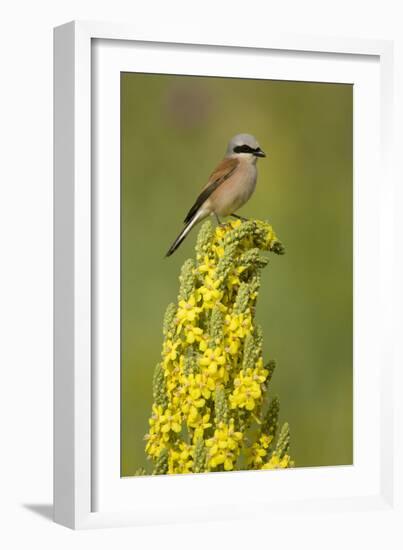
point(229, 187)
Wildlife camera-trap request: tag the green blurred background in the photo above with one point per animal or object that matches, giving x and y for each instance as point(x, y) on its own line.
point(174, 129)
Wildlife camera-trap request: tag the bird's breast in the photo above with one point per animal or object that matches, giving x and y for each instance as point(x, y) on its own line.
point(235, 191)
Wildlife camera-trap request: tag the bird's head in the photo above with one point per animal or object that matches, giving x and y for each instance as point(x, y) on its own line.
point(244, 145)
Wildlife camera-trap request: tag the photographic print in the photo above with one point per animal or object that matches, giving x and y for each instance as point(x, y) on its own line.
point(236, 274)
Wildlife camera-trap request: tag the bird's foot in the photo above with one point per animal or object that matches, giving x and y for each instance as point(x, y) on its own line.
point(219, 222)
point(239, 217)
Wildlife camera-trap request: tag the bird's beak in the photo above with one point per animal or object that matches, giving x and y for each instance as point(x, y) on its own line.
point(259, 153)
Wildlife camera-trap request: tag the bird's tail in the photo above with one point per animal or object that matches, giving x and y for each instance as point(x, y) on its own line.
point(182, 235)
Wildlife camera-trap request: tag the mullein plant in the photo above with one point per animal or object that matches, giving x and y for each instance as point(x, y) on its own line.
point(211, 409)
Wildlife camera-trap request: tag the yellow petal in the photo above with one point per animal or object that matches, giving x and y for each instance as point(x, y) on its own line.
point(228, 465)
point(250, 404)
point(212, 368)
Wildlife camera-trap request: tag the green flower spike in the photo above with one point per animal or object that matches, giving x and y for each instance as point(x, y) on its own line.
point(211, 387)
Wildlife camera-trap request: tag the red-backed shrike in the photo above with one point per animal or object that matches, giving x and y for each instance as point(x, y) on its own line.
point(229, 187)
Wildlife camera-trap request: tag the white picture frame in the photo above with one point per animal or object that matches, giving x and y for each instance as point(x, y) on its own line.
point(88, 491)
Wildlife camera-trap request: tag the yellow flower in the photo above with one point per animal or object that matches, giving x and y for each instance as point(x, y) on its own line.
point(170, 350)
point(213, 359)
point(244, 325)
point(189, 406)
point(233, 280)
point(209, 291)
point(229, 323)
point(238, 325)
point(156, 438)
point(208, 266)
point(192, 333)
point(232, 345)
point(180, 384)
point(247, 391)
point(223, 447)
point(276, 462)
point(201, 385)
point(187, 311)
point(235, 223)
point(156, 416)
point(171, 422)
point(220, 232)
point(201, 424)
point(259, 373)
point(180, 460)
point(155, 444)
point(259, 450)
point(203, 344)
point(219, 250)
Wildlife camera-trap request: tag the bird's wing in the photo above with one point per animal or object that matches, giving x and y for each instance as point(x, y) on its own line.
point(220, 174)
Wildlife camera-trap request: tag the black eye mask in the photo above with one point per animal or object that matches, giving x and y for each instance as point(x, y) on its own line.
point(246, 149)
